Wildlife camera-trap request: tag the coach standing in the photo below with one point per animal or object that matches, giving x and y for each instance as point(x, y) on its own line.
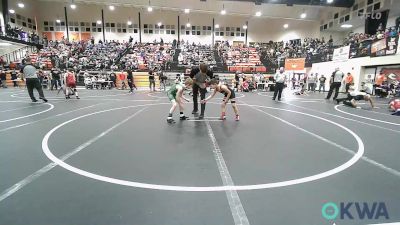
point(280, 79)
point(336, 82)
point(32, 80)
point(200, 75)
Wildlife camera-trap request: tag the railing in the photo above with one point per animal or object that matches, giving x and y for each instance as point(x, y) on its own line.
point(18, 54)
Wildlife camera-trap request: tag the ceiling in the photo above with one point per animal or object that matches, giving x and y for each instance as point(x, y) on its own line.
point(279, 9)
point(336, 3)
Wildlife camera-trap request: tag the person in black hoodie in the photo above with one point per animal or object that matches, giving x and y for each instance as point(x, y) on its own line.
point(200, 75)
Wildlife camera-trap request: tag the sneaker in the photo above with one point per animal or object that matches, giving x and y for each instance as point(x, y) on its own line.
point(201, 117)
point(337, 102)
point(279, 99)
point(170, 121)
point(273, 99)
point(34, 100)
point(195, 111)
point(77, 97)
point(44, 99)
point(183, 118)
point(222, 118)
point(237, 118)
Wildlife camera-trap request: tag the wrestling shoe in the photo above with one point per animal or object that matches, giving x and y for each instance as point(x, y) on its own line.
point(170, 121)
point(183, 118)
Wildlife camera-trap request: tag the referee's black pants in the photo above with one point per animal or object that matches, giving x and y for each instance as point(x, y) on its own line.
point(34, 83)
point(203, 91)
point(278, 90)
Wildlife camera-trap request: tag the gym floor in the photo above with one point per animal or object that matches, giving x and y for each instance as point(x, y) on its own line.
point(110, 158)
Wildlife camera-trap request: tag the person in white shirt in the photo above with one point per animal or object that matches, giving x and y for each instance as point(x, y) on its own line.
point(336, 82)
point(280, 79)
point(354, 96)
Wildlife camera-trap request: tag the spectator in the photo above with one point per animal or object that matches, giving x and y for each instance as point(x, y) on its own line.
point(14, 77)
point(322, 80)
point(348, 81)
point(3, 78)
point(152, 81)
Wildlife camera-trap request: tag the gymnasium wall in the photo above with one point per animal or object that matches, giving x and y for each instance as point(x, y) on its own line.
point(259, 29)
point(355, 66)
point(390, 23)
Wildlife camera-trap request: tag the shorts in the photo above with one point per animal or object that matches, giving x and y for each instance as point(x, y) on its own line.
point(358, 97)
point(232, 94)
point(171, 96)
point(71, 85)
point(232, 97)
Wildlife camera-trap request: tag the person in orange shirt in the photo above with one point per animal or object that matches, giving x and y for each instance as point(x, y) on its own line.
point(378, 82)
point(349, 81)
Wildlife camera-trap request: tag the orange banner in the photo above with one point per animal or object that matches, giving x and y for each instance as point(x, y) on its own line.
point(295, 64)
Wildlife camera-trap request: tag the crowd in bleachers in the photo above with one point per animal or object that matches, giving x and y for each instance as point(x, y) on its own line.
point(312, 49)
point(86, 55)
point(195, 54)
point(147, 56)
point(19, 34)
point(240, 57)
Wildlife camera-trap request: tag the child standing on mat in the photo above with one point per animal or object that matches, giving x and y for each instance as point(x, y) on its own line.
point(70, 85)
point(229, 96)
point(175, 95)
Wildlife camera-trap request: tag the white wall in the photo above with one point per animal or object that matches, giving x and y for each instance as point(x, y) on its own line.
point(355, 66)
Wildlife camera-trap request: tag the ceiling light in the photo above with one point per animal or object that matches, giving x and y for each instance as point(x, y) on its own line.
point(346, 26)
point(329, 1)
point(188, 25)
point(12, 11)
point(149, 9)
point(111, 7)
point(258, 13)
point(223, 12)
point(285, 25)
point(99, 22)
point(73, 6)
point(58, 21)
point(217, 26)
point(245, 27)
point(21, 5)
point(129, 22)
point(187, 11)
point(303, 15)
point(159, 24)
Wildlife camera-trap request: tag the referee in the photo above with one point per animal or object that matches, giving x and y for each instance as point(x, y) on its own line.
point(32, 80)
point(280, 79)
point(200, 75)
